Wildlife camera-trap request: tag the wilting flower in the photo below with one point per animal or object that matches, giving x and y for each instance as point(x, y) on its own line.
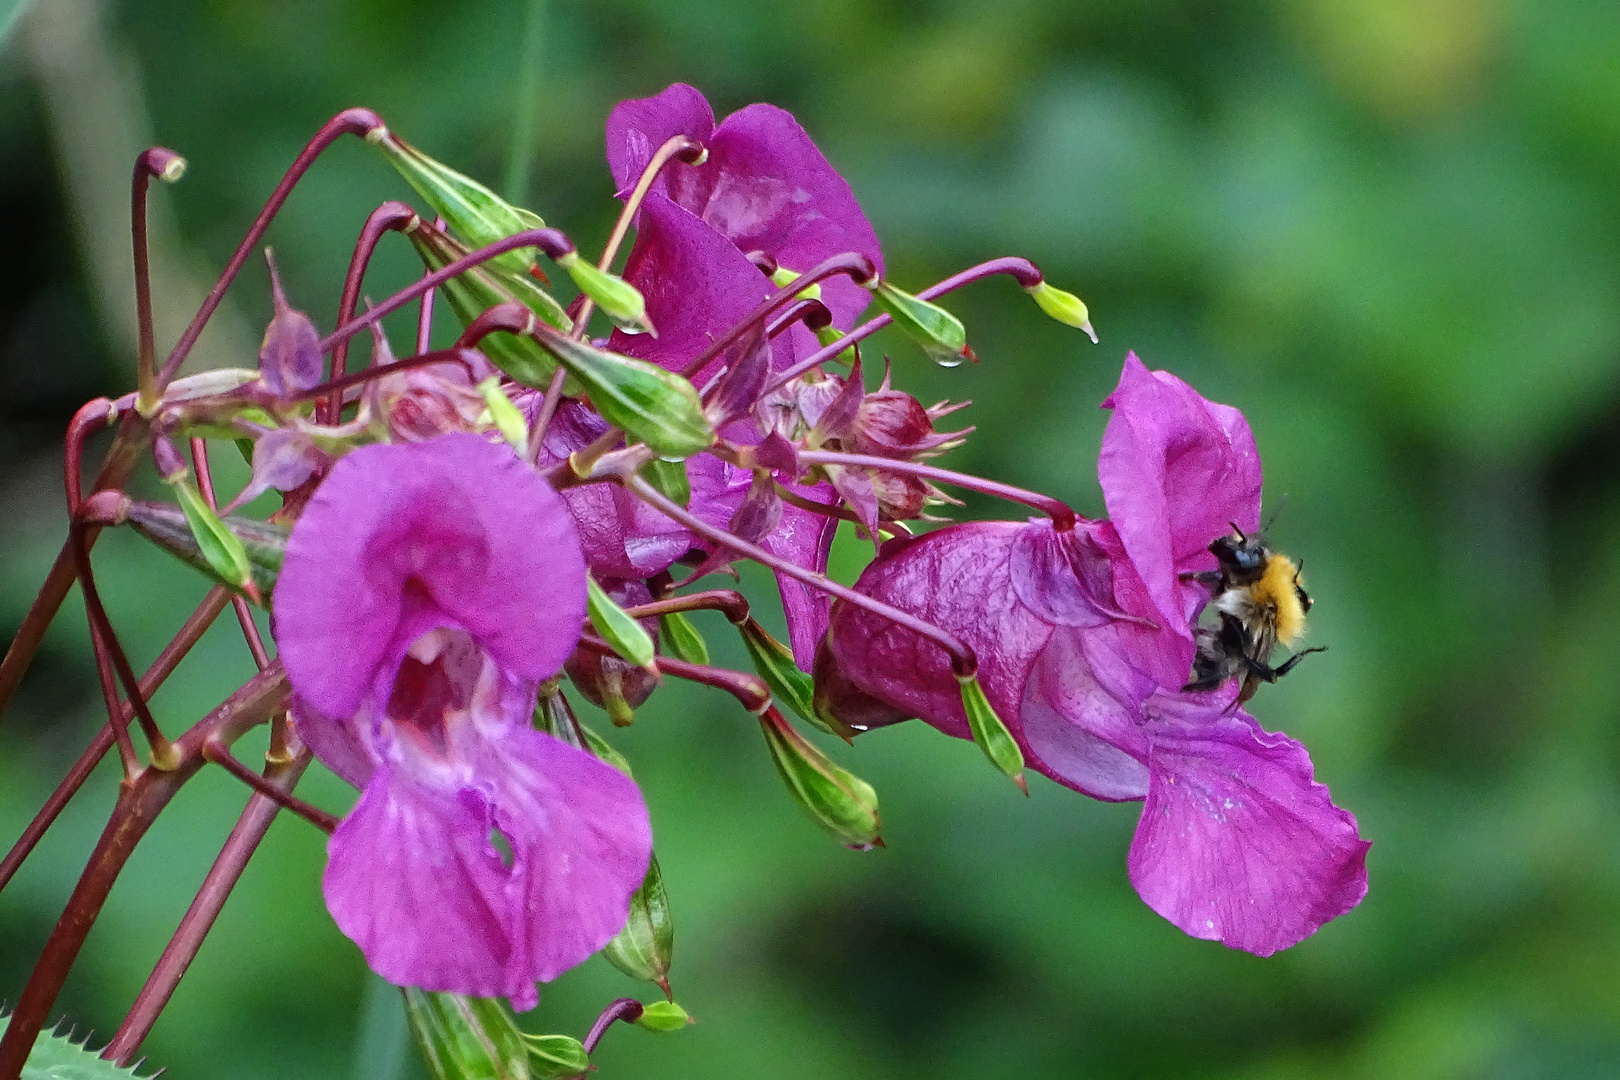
point(1084, 639)
point(426, 592)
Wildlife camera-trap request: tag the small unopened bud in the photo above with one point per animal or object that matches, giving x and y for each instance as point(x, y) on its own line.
point(648, 403)
point(550, 1056)
point(788, 685)
point(782, 277)
point(1065, 307)
point(220, 548)
point(664, 1016)
point(941, 334)
point(471, 209)
point(836, 799)
point(619, 300)
point(682, 639)
point(290, 355)
point(463, 1037)
point(504, 415)
point(645, 948)
point(625, 634)
point(991, 733)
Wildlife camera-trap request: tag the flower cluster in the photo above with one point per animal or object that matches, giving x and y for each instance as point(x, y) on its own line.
point(462, 529)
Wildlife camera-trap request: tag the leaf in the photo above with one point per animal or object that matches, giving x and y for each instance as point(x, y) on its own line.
point(683, 640)
point(619, 629)
point(58, 1057)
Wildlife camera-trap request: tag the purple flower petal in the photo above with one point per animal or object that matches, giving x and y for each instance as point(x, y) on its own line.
point(1238, 843)
point(1175, 470)
point(398, 539)
point(1077, 732)
point(414, 878)
point(337, 744)
point(638, 127)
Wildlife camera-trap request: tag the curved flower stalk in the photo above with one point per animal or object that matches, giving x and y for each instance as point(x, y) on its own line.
point(1084, 639)
point(427, 591)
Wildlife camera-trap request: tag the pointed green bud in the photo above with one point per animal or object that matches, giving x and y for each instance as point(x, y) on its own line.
point(664, 1016)
point(481, 288)
point(831, 335)
point(505, 416)
point(221, 549)
point(479, 215)
point(941, 334)
point(783, 277)
point(683, 640)
point(787, 682)
point(1065, 307)
point(619, 300)
point(170, 528)
point(990, 733)
point(619, 629)
point(467, 1038)
point(556, 1056)
point(669, 477)
point(645, 947)
point(649, 404)
point(837, 800)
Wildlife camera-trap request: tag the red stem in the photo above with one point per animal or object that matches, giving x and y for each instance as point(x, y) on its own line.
point(963, 661)
point(388, 217)
point(156, 161)
point(205, 908)
point(852, 264)
point(747, 689)
point(347, 122)
point(467, 358)
point(138, 805)
point(1063, 518)
point(424, 318)
point(627, 1009)
point(160, 670)
point(216, 751)
point(1025, 272)
point(730, 602)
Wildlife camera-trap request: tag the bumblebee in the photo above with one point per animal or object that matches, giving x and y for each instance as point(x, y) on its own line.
point(1261, 603)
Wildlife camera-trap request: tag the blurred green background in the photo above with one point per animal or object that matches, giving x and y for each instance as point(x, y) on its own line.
point(1387, 230)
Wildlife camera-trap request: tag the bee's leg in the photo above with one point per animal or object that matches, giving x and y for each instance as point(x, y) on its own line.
point(1288, 665)
point(1209, 579)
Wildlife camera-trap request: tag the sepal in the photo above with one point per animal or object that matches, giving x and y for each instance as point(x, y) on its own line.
point(836, 799)
point(990, 733)
point(683, 640)
point(620, 629)
point(169, 528)
point(219, 547)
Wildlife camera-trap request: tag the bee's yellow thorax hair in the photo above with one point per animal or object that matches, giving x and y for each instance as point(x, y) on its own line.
point(1275, 590)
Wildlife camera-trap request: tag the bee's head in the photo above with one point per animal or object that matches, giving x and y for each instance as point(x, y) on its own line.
point(1242, 558)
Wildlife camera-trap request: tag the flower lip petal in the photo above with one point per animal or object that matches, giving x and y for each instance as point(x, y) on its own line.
point(398, 539)
point(1238, 843)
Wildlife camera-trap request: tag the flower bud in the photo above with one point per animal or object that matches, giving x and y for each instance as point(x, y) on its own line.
point(607, 681)
point(619, 300)
point(788, 685)
point(504, 415)
point(1065, 307)
point(837, 800)
point(650, 404)
point(664, 1016)
point(670, 480)
point(169, 528)
point(991, 733)
point(474, 292)
point(220, 548)
point(682, 639)
point(290, 355)
point(468, 1038)
point(645, 948)
point(940, 333)
point(477, 213)
point(554, 1056)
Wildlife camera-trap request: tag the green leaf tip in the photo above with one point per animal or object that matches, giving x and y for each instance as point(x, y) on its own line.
point(55, 1056)
point(683, 639)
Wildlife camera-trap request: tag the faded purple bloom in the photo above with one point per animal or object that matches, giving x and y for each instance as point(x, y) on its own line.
point(427, 590)
point(1084, 640)
point(764, 186)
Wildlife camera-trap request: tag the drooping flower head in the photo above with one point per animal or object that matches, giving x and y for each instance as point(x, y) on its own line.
point(1084, 640)
point(427, 590)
